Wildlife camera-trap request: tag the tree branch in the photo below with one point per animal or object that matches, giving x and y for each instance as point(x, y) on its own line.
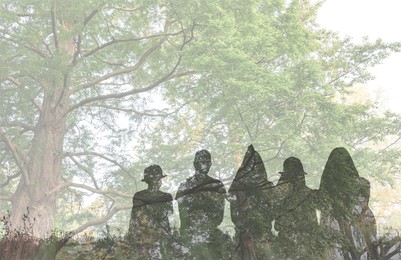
point(280, 148)
point(387, 245)
point(14, 81)
point(122, 70)
point(98, 221)
point(350, 70)
point(243, 121)
point(19, 124)
point(88, 188)
point(100, 47)
point(38, 107)
point(17, 40)
point(78, 51)
point(143, 113)
point(388, 146)
point(131, 92)
point(90, 16)
point(129, 69)
point(68, 154)
point(53, 17)
point(18, 84)
point(9, 178)
point(121, 9)
point(85, 169)
point(19, 158)
point(5, 198)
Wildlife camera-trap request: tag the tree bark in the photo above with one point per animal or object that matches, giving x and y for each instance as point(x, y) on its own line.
point(247, 244)
point(33, 205)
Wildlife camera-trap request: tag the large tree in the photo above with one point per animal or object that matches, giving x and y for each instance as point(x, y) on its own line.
point(228, 73)
point(63, 61)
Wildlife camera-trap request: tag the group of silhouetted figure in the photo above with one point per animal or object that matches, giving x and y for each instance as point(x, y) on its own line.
point(283, 221)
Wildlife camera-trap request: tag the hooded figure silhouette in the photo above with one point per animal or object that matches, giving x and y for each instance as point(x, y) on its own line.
point(344, 200)
point(251, 208)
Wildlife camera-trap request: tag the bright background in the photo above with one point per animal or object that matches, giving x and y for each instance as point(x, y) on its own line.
point(375, 19)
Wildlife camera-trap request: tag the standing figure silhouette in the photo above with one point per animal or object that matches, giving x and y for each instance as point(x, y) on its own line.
point(201, 201)
point(295, 214)
point(149, 228)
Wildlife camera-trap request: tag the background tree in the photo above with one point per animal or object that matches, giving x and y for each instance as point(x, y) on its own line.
point(282, 84)
point(92, 92)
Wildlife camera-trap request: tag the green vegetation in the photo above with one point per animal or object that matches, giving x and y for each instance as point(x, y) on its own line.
point(92, 92)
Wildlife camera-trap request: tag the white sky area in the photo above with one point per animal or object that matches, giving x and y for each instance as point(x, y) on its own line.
point(375, 19)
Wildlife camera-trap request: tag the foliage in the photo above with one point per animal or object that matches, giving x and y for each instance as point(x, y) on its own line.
point(143, 82)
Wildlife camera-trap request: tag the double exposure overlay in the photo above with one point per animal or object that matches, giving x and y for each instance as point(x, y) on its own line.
point(179, 129)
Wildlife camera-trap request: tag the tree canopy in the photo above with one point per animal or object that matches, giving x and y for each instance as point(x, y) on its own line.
point(92, 92)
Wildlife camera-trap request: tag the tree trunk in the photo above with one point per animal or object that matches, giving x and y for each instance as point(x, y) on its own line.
point(33, 206)
point(247, 244)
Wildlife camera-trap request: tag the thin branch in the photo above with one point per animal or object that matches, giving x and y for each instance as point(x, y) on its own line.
point(14, 81)
point(191, 37)
point(101, 156)
point(65, 87)
point(393, 143)
point(18, 84)
point(47, 47)
point(127, 70)
point(278, 152)
point(133, 110)
point(243, 121)
point(90, 16)
point(5, 198)
point(24, 15)
point(18, 40)
point(364, 140)
point(131, 92)
point(100, 47)
point(53, 17)
point(121, 9)
point(9, 178)
point(350, 70)
point(19, 158)
point(115, 64)
point(108, 24)
point(386, 246)
point(78, 51)
point(85, 169)
point(121, 71)
point(113, 83)
point(302, 121)
point(88, 188)
point(19, 124)
point(98, 221)
point(38, 107)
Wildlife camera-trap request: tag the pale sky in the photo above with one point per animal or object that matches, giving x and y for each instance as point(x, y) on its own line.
point(375, 19)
